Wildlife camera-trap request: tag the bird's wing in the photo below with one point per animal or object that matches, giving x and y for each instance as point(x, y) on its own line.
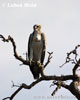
point(29, 44)
point(44, 48)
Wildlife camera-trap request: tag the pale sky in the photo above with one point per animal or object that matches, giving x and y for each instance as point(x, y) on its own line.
point(60, 20)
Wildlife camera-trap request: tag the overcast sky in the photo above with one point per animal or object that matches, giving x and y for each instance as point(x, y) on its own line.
point(60, 20)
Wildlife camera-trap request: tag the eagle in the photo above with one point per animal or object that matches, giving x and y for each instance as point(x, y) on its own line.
point(36, 50)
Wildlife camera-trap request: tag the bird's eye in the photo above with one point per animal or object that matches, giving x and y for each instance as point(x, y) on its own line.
point(37, 26)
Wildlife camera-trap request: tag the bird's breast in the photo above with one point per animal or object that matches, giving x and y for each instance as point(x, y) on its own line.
point(37, 37)
point(37, 42)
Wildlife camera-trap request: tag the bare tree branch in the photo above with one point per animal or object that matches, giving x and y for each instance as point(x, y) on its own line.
point(57, 88)
point(13, 95)
point(69, 59)
point(75, 68)
point(43, 78)
point(60, 84)
point(14, 49)
point(72, 87)
point(49, 58)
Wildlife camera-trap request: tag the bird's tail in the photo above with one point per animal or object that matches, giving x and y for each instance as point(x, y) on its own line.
point(35, 71)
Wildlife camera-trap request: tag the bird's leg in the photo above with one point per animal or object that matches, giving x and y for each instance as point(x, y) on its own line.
point(30, 61)
point(38, 62)
point(42, 71)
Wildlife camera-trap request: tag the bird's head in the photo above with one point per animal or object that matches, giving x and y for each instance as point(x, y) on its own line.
point(37, 28)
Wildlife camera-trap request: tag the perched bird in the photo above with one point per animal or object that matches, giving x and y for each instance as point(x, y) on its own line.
point(36, 50)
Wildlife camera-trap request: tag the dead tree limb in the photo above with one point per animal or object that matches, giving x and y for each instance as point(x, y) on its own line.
point(72, 87)
point(69, 59)
point(13, 95)
point(49, 58)
point(14, 49)
point(43, 78)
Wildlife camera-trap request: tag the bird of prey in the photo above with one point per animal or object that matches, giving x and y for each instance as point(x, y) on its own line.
point(36, 50)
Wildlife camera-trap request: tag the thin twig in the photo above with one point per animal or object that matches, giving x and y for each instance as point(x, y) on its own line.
point(58, 83)
point(49, 58)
